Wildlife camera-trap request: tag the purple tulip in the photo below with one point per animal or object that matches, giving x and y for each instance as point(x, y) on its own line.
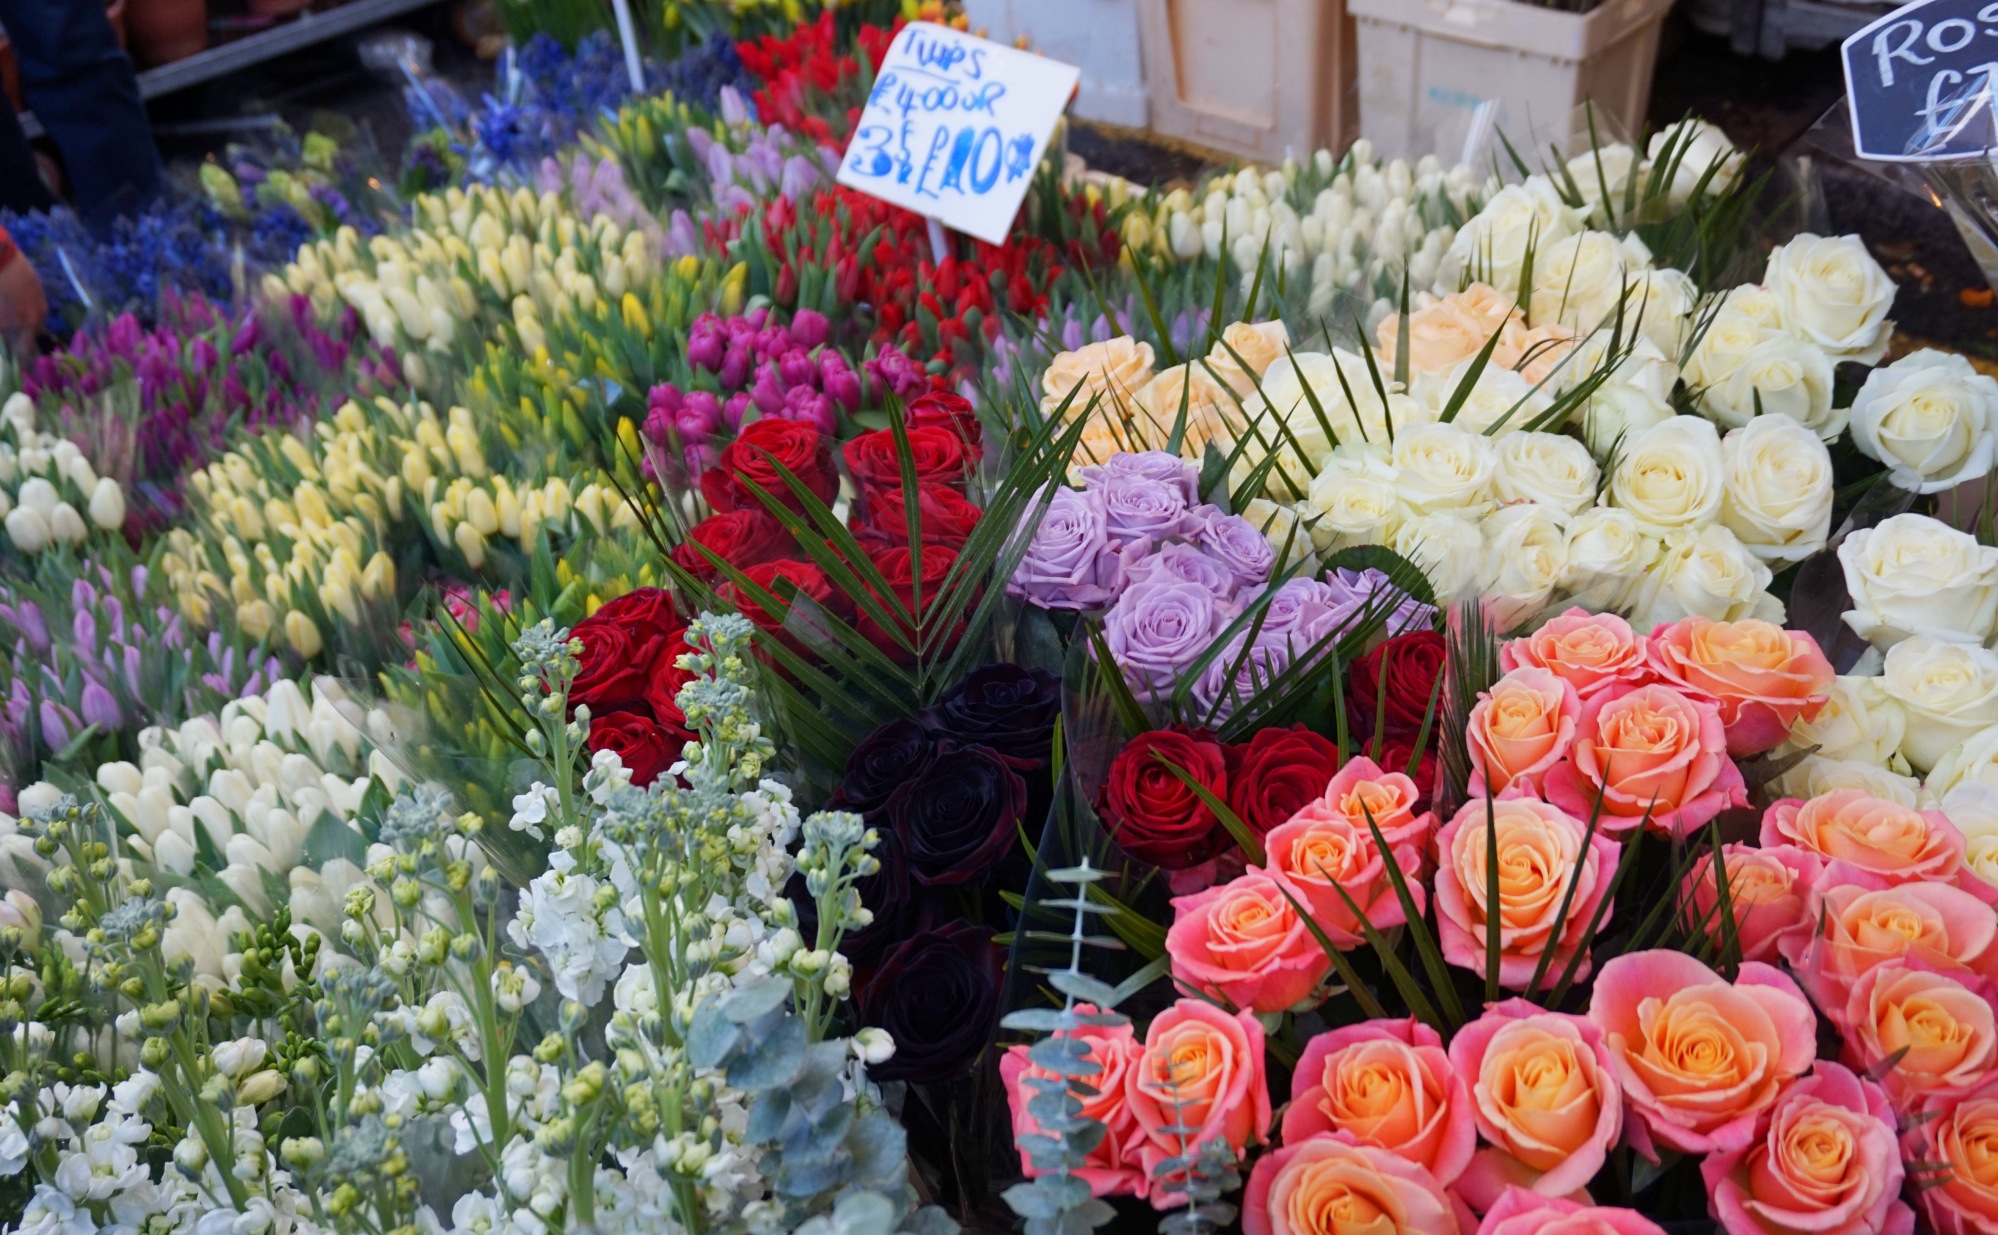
point(735, 410)
point(99, 707)
point(768, 390)
point(809, 328)
point(700, 415)
point(797, 369)
point(735, 367)
point(665, 397)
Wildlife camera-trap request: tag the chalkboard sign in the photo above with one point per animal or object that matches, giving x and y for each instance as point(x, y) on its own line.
point(1919, 82)
point(955, 126)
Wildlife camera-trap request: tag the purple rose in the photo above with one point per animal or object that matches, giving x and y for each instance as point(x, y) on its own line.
point(1168, 469)
point(1233, 678)
point(1138, 506)
point(1068, 563)
point(1372, 591)
point(1234, 542)
point(1181, 561)
point(1156, 629)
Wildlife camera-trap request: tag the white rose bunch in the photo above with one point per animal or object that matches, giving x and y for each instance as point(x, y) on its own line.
point(1703, 159)
point(1703, 571)
point(1930, 418)
point(1491, 248)
point(1911, 574)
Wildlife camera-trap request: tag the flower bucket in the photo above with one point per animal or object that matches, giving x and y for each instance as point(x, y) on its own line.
point(1262, 79)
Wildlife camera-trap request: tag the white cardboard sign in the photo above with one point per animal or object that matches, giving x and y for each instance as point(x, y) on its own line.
point(955, 126)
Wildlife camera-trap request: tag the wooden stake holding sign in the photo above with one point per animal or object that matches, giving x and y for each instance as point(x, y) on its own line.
point(954, 128)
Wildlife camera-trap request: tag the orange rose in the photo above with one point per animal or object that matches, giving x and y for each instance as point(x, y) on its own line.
point(1648, 753)
point(1826, 1163)
point(1540, 848)
point(1256, 345)
point(1920, 1031)
point(1957, 1135)
point(1326, 1186)
point(1243, 942)
point(1881, 841)
point(1448, 332)
point(1386, 1083)
point(1769, 891)
point(1318, 856)
point(1860, 928)
point(1593, 651)
point(1108, 1170)
point(1202, 1069)
point(1764, 678)
point(1519, 729)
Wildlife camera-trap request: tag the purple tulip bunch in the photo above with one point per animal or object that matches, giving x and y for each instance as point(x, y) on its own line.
point(750, 164)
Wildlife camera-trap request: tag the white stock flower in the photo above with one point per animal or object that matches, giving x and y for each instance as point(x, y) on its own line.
point(584, 945)
point(1929, 417)
point(1947, 691)
point(1834, 294)
point(1777, 491)
point(1911, 574)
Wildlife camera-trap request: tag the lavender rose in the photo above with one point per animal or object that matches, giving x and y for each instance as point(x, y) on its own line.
point(1235, 542)
point(1155, 629)
point(1169, 469)
point(1181, 561)
point(1139, 507)
point(1069, 563)
point(1233, 678)
point(1355, 590)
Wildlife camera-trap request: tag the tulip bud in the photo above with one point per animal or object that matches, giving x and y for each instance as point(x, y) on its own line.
point(28, 528)
point(302, 634)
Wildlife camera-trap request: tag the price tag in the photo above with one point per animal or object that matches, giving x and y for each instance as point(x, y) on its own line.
point(955, 127)
point(1919, 82)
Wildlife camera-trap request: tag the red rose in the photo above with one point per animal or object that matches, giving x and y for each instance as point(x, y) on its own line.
point(647, 747)
point(1410, 665)
point(742, 538)
point(944, 516)
point(1394, 758)
point(1155, 815)
point(1276, 773)
point(621, 643)
point(787, 581)
point(897, 569)
point(937, 453)
point(943, 410)
point(754, 458)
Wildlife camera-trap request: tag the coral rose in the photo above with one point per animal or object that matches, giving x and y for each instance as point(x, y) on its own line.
point(1769, 891)
point(1110, 1169)
point(1541, 849)
point(1333, 867)
point(1592, 651)
point(1362, 792)
point(1244, 942)
point(1201, 1068)
point(1519, 729)
point(1868, 839)
point(1859, 928)
point(1700, 1058)
point(1827, 1164)
point(1386, 1083)
point(1546, 1099)
point(1326, 1186)
point(1520, 1212)
point(1653, 755)
point(1920, 1031)
point(1955, 1138)
point(1763, 678)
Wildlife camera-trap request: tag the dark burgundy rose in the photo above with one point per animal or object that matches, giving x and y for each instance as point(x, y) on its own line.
point(887, 759)
point(647, 747)
point(940, 409)
point(943, 516)
point(742, 538)
point(1276, 773)
point(897, 567)
point(961, 815)
point(790, 583)
point(1410, 665)
point(753, 458)
point(937, 995)
point(662, 691)
point(622, 641)
point(1153, 814)
point(938, 454)
point(1009, 708)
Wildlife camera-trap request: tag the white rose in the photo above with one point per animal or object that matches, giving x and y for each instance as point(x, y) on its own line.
point(1973, 808)
point(1549, 468)
point(1284, 418)
point(1617, 410)
point(1929, 417)
point(1353, 501)
point(1834, 294)
point(1604, 174)
point(1817, 776)
point(1607, 552)
point(1450, 549)
point(1948, 692)
point(1703, 572)
point(1528, 555)
point(1661, 306)
point(1782, 375)
point(1778, 489)
point(1859, 720)
point(1973, 761)
point(1757, 303)
point(1491, 248)
point(1912, 574)
point(1445, 469)
point(1579, 281)
point(1698, 158)
point(1631, 361)
point(1730, 333)
point(1501, 400)
point(1670, 475)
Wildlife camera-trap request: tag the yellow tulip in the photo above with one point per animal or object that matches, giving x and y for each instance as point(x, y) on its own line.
point(302, 634)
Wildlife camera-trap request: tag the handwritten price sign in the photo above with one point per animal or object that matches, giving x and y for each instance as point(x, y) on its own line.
point(955, 127)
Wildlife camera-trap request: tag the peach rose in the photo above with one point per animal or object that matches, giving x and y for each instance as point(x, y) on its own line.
point(1593, 651)
point(1700, 1059)
point(1540, 847)
point(1955, 1136)
point(1867, 839)
point(1764, 678)
point(1256, 345)
point(1212, 414)
point(1769, 890)
point(1363, 791)
point(1317, 858)
point(1648, 751)
point(1861, 928)
point(1326, 1186)
point(1244, 942)
point(1520, 1212)
point(1827, 1164)
point(1444, 334)
point(1546, 1100)
point(1203, 1069)
point(1111, 1169)
point(1111, 371)
point(1519, 729)
point(1920, 1031)
point(1389, 1084)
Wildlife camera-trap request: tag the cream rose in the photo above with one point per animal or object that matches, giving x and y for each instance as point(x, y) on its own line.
point(1781, 376)
point(1859, 720)
point(1617, 410)
point(1661, 308)
point(1670, 475)
point(1700, 159)
point(1210, 410)
point(1930, 418)
point(1607, 552)
point(1527, 556)
point(1115, 369)
point(1817, 776)
point(1450, 549)
point(1912, 574)
point(1633, 362)
point(1732, 331)
point(1491, 248)
point(1499, 401)
point(1551, 469)
point(1834, 294)
point(1947, 691)
point(1973, 807)
point(1354, 501)
point(1973, 761)
point(1777, 496)
point(1444, 469)
point(1257, 345)
point(1604, 174)
point(1283, 419)
point(1579, 281)
point(1704, 572)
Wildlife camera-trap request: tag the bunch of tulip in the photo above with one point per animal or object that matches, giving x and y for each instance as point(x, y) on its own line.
point(50, 495)
point(679, 157)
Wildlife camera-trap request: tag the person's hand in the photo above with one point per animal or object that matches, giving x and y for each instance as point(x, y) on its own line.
point(23, 307)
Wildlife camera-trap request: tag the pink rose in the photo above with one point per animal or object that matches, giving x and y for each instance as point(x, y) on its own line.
point(1593, 651)
point(1648, 750)
point(1318, 855)
point(1519, 729)
point(1827, 1164)
point(1389, 1084)
point(1861, 928)
point(1764, 678)
point(1545, 1096)
point(1541, 849)
point(1203, 1069)
point(1867, 839)
point(1768, 889)
point(1955, 1139)
point(1700, 1058)
point(1244, 942)
point(1324, 1184)
point(1919, 1031)
point(1111, 1169)
point(1520, 1212)
point(1361, 791)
